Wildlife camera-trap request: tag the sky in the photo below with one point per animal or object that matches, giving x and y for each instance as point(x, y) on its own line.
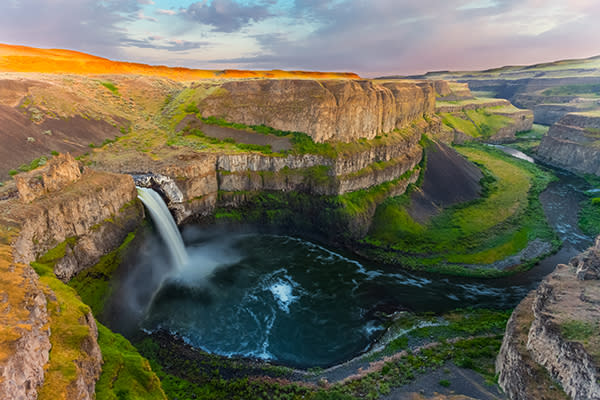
point(372, 38)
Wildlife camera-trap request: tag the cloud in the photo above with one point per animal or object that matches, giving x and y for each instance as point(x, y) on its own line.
point(401, 36)
point(371, 37)
point(166, 12)
point(85, 25)
point(226, 15)
point(142, 16)
point(159, 43)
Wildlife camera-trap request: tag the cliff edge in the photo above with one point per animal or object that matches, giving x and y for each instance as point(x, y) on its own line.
point(573, 143)
point(553, 336)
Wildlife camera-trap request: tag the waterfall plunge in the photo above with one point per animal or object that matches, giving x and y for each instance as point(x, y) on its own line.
point(166, 226)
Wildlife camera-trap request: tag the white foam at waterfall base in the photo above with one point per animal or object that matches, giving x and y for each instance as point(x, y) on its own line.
point(282, 292)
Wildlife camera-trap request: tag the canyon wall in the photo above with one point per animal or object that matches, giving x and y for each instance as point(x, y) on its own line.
point(553, 335)
point(78, 214)
point(341, 110)
point(573, 143)
point(85, 214)
point(191, 182)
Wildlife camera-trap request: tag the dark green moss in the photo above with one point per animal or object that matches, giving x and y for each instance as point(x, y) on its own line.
point(94, 284)
point(125, 373)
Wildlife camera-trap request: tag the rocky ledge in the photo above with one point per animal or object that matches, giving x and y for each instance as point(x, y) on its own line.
point(336, 110)
point(87, 212)
point(553, 336)
point(573, 143)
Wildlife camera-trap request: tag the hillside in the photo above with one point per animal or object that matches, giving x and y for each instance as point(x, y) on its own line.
point(57, 61)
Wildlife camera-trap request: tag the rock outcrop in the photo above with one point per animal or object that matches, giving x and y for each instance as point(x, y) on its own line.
point(191, 182)
point(555, 333)
point(573, 143)
point(88, 212)
point(55, 175)
point(97, 211)
point(24, 329)
point(340, 110)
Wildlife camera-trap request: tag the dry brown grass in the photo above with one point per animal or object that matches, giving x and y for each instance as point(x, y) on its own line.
point(30, 59)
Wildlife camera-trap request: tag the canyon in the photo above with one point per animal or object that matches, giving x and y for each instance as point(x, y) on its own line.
point(348, 148)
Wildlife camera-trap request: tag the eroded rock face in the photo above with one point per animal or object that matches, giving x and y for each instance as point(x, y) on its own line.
point(556, 329)
point(98, 211)
point(341, 110)
point(89, 364)
point(191, 183)
point(573, 143)
point(55, 175)
point(24, 331)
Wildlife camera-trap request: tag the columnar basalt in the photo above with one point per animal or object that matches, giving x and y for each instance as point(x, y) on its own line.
point(340, 110)
point(556, 329)
point(573, 143)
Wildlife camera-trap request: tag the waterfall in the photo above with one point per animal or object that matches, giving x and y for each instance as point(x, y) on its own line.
point(166, 226)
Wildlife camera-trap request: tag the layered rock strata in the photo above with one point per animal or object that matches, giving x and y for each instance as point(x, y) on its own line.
point(342, 111)
point(573, 143)
point(90, 213)
point(24, 329)
point(555, 332)
point(191, 182)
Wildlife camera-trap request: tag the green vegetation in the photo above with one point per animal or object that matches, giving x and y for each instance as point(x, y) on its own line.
point(481, 122)
point(527, 141)
point(38, 162)
point(125, 373)
point(444, 383)
point(589, 216)
point(265, 149)
point(66, 314)
point(413, 329)
point(304, 212)
point(302, 143)
point(111, 86)
point(573, 90)
point(579, 330)
point(200, 375)
point(477, 353)
point(499, 224)
point(94, 284)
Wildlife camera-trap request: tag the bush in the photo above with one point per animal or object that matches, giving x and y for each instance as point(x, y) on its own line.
point(13, 172)
point(192, 108)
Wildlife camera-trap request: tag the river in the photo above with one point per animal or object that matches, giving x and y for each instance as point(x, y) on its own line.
point(299, 303)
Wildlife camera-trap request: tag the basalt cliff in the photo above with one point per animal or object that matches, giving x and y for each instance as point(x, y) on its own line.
point(553, 335)
point(573, 143)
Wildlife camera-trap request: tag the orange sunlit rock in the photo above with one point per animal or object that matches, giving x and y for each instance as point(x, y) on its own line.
point(56, 61)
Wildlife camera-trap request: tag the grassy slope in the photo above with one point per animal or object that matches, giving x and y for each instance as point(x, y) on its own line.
point(125, 374)
point(30, 59)
point(589, 214)
point(481, 232)
point(93, 284)
point(482, 122)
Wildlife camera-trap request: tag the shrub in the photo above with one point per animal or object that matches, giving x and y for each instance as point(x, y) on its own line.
point(110, 86)
point(192, 108)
